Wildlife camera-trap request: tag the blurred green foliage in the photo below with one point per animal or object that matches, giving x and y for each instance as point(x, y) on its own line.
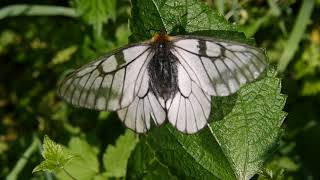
point(40, 44)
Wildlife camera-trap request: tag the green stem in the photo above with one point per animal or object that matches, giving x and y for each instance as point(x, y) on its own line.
point(296, 34)
point(36, 10)
point(73, 178)
point(274, 8)
point(220, 6)
point(24, 159)
point(235, 10)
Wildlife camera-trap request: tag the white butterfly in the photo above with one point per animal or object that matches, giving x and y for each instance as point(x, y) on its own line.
point(167, 77)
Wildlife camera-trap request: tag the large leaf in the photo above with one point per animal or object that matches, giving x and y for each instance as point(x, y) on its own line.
point(174, 17)
point(116, 157)
point(84, 165)
point(244, 128)
point(245, 131)
point(249, 133)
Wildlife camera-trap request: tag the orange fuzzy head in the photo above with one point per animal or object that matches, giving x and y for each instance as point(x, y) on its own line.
point(161, 37)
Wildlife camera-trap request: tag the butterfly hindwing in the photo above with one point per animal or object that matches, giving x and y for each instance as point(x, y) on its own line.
point(137, 116)
point(189, 112)
point(190, 107)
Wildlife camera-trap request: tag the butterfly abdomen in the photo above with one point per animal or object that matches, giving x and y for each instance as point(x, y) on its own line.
point(163, 70)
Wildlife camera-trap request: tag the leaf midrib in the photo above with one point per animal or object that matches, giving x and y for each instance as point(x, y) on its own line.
point(187, 151)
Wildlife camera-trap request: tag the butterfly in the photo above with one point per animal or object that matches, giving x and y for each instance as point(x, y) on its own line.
point(165, 78)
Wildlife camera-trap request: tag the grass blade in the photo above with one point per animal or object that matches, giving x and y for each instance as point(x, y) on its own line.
point(296, 34)
point(35, 10)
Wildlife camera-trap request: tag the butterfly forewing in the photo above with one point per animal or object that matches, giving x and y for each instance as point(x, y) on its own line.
point(219, 67)
point(131, 80)
point(108, 83)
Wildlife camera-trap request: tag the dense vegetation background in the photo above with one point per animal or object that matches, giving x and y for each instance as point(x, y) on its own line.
point(40, 44)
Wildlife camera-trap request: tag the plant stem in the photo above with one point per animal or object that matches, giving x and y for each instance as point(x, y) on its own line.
point(36, 10)
point(296, 34)
point(24, 159)
point(73, 178)
point(220, 6)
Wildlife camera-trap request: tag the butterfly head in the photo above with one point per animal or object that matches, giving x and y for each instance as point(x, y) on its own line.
point(161, 37)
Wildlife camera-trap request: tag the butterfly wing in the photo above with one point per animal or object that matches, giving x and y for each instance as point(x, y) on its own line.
point(109, 83)
point(189, 109)
point(117, 82)
point(120, 81)
point(209, 67)
point(219, 67)
point(137, 115)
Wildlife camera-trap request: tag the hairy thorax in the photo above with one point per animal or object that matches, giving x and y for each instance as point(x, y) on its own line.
point(163, 71)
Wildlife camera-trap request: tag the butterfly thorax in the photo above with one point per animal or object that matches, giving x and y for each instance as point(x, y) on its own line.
point(163, 70)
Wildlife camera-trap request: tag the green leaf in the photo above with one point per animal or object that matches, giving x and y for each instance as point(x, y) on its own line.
point(307, 69)
point(144, 163)
point(63, 55)
point(244, 128)
point(174, 17)
point(55, 156)
point(280, 168)
point(7, 38)
point(249, 133)
point(245, 132)
point(310, 87)
point(116, 157)
point(309, 62)
point(85, 164)
point(96, 12)
point(78, 161)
